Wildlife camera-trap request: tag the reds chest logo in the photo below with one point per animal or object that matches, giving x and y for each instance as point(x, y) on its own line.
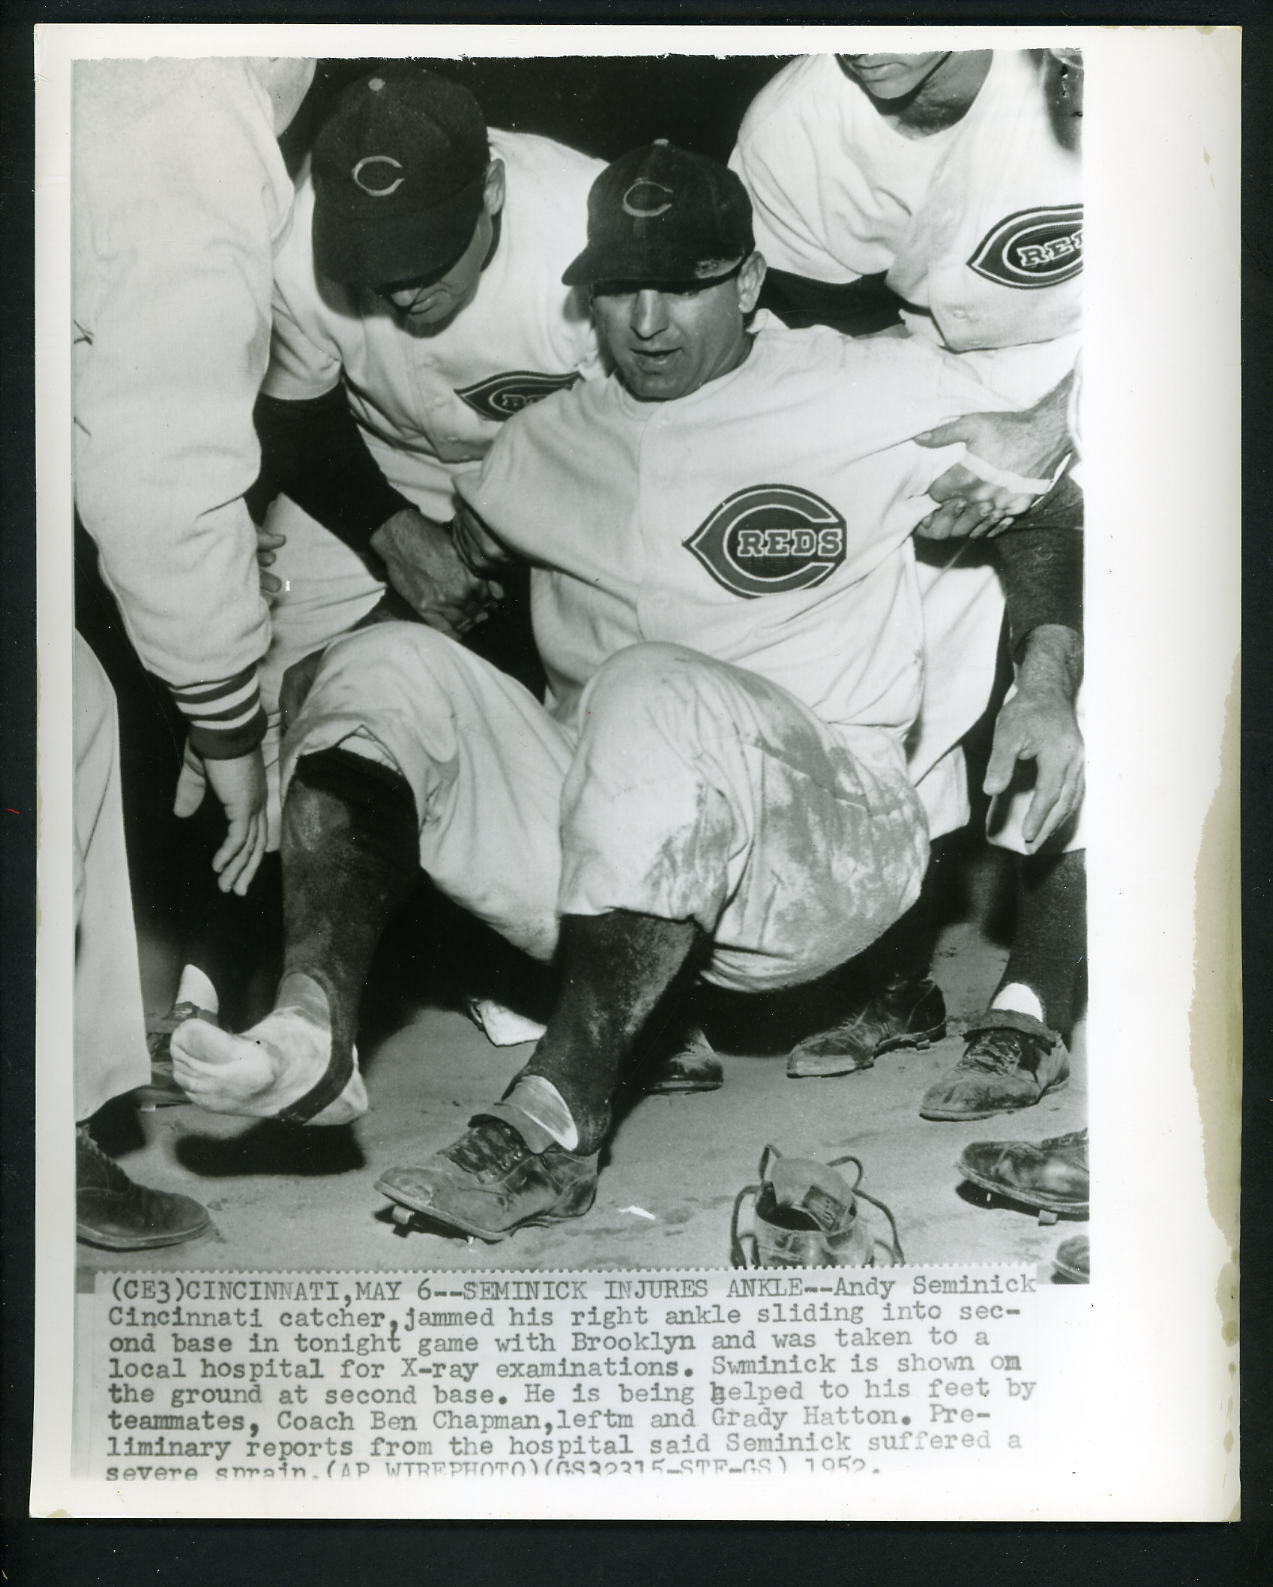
point(768, 539)
point(501, 396)
point(1033, 248)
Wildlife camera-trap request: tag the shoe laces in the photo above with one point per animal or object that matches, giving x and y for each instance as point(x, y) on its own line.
point(488, 1147)
point(998, 1051)
point(116, 1178)
point(872, 1018)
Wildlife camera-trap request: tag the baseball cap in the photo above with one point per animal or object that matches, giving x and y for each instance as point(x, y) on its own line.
point(663, 214)
point(399, 171)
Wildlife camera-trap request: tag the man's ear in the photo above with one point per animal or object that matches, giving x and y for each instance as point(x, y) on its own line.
point(750, 280)
point(493, 193)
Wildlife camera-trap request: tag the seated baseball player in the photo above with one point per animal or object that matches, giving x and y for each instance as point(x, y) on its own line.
point(725, 598)
point(944, 189)
point(418, 302)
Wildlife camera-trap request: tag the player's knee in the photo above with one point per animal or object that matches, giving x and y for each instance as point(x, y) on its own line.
point(652, 716)
point(389, 668)
point(645, 683)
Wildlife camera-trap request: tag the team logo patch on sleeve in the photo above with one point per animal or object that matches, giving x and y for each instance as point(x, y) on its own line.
point(501, 396)
point(1033, 248)
point(768, 539)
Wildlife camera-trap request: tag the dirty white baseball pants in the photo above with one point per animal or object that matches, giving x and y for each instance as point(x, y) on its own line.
point(327, 589)
point(694, 790)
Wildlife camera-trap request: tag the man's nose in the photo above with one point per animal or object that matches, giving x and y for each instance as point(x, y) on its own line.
point(649, 313)
point(404, 297)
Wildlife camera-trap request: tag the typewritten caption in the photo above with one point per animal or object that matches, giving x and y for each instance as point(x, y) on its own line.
point(227, 1377)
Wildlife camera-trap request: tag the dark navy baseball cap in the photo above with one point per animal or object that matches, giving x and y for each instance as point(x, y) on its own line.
point(399, 171)
point(662, 214)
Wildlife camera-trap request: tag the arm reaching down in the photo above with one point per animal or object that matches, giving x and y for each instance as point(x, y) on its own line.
point(1038, 724)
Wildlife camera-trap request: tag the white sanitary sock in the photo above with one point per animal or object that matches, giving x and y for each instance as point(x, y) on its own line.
point(1020, 999)
point(194, 987)
point(540, 1100)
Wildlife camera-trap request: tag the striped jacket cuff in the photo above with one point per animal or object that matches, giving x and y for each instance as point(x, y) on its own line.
point(225, 718)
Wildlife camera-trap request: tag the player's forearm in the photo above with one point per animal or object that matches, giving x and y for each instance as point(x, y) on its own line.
point(483, 554)
point(314, 452)
point(1050, 421)
point(1050, 662)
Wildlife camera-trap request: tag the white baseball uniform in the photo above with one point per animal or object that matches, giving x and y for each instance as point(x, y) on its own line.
point(428, 405)
point(110, 1025)
point(978, 228)
point(181, 198)
point(725, 601)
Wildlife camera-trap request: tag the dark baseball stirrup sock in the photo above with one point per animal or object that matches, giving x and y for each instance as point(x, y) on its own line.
point(617, 970)
point(350, 859)
point(226, 936)
point(1050, 942)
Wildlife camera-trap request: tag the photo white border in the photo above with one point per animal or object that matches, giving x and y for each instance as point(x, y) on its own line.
point(1151, 1346)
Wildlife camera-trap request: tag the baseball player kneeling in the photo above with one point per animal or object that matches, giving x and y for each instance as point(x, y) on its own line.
point(945, 189)
point(725, 598)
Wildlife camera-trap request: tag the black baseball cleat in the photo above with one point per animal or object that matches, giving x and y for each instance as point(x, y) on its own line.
point(490, 1183)
point(1051, 1176)
point(913, 1015)
point(1012, 1061)
point(690, 1064)
point(113, 1212)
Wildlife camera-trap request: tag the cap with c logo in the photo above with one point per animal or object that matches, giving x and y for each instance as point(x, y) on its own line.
point(399, 169)
point(663, 214)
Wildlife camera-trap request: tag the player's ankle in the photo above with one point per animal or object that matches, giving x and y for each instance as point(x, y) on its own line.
point(300, 990)
point(574, 1123)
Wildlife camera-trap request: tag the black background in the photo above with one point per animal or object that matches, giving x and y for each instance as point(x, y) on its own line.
point(620, 109)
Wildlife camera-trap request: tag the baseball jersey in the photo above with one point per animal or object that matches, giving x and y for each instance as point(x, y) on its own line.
point(979, 226)
point(180, 198)
point(764, 519)
point(429, 405)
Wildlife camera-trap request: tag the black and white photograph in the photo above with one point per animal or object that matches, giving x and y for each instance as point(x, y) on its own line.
point(562, 823)
point(579, 740)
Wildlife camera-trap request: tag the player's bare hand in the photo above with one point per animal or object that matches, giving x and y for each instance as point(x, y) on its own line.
point(968, 506)
point(425, 568)
point(1030, 446)
point(1039, 725)
point(239, 783)
point(267, 544)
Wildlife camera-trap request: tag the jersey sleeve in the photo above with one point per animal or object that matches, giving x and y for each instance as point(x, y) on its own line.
point(301, 365)
point(176, 215)
point(772, 159)
point(510, 504)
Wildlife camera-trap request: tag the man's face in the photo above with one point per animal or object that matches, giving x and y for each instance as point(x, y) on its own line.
point(667, 343)
point(428, 303)
point(891, 76)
